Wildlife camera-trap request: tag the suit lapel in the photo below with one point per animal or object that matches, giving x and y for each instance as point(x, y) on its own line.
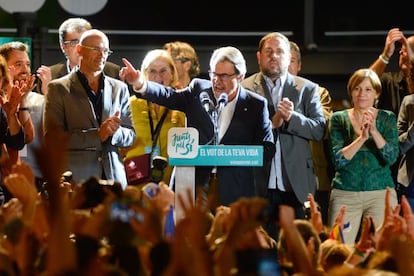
point(78, 91)
point(262, 89)
point(107, 99)
point(63, 71)
point(289, 88)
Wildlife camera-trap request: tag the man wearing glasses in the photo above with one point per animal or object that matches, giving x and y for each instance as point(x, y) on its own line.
point(93, 110)
point(244, 120)
point(69, 33)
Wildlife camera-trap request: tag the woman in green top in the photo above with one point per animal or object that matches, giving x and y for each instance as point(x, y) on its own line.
point(364, 144)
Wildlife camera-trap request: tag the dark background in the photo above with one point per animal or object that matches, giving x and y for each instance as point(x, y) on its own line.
point(336, 37)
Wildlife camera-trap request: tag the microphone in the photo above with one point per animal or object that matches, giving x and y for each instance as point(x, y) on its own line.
point(222, 101)
point(205, 101)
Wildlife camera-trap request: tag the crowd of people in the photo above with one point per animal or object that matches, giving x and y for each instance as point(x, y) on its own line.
point(334, 195)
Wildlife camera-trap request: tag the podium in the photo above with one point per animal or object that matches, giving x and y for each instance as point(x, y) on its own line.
point(185, 153)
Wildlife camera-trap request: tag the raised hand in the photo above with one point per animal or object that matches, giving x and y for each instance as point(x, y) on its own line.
point(25, 191)
point(339, 220)
point(244, 216)
point(26, 170)
point(389, 211)
point(45, 75)
point(130, 74)
point(11, 99)
point(394, 35)
point(408, 216)
point(26, 85)
point(367, 240)
point(316, 216)
point(190, 245)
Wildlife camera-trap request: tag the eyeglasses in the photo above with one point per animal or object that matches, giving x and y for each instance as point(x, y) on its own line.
point(224, 76)
point(104, 51)
point(181, 59)
point(72, 42)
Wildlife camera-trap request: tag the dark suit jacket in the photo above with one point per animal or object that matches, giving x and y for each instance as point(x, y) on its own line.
point(406, 138)
point(307, 123)
point(250, 125)
point(68, 109)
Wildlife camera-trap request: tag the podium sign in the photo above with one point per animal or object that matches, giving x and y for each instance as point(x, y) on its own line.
point(184, 152)
point(223, 155)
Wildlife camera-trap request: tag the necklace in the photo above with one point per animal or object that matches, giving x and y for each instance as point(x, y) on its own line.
point(358, 117)
point(357, 120)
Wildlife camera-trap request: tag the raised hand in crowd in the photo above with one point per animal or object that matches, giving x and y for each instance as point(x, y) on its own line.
point(315, 215)
point(150, 227)
point(242, 231)
point(408, 216)
point(401, 248)
point(398, 220)
point(366, 244)
point(61, 253)
point(190, 245)
point(391, 214)
point(298, 252)
point(218, 229)
point(25, 231)
point(161, 196)
point(24, 189)
point(340, 218)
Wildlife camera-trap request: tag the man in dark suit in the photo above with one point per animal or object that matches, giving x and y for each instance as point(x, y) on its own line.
point(297, 118)
point(243, 121)
point(93, 110)
point(405, 173)
point(69, 33)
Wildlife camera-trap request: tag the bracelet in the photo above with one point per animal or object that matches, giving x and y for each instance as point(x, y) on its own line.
point(23, 109)
point(383, 59)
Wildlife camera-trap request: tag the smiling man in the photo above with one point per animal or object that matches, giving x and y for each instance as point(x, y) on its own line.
point(243, 121)
point(93, 110)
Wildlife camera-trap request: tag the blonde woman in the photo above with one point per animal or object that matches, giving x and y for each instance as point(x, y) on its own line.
point(364, 144)
point(157, 66)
